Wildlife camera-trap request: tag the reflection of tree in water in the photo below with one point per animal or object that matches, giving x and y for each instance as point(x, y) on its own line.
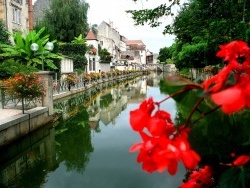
point(73, 145)
point(32, 177)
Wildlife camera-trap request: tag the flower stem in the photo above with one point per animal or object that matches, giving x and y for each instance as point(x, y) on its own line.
point(193, 110)
point(204, 114)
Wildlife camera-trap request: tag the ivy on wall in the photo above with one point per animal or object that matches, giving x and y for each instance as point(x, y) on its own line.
point(76, 52)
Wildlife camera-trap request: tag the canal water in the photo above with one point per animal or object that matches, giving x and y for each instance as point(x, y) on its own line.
point(88, 144)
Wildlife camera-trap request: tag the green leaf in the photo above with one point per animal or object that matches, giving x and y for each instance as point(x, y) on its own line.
point(235, 177)
point(51, 64)
point(19, 40)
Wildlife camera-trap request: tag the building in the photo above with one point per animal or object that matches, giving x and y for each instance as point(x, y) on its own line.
point(92, 55)
point(17, 15)
point(137, 50)
point(110, 39)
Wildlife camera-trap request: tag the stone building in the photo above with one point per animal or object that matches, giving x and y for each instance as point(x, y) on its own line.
point(110, 39)
point(16, 15)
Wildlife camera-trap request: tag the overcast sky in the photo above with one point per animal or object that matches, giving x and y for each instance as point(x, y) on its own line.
point(114, 11)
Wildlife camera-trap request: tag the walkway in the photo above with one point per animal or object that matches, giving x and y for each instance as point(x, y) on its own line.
point(5, 113)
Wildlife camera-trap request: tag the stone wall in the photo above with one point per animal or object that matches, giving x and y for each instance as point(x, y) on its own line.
point(17, 126)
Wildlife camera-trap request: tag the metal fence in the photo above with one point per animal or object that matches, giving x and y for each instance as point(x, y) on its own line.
point(59, 86)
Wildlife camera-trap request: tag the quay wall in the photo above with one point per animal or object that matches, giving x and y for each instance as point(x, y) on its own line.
point(17, 126)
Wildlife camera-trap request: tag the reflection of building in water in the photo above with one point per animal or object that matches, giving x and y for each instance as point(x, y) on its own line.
point(107, 106)
point(154, 79)
point(109, 113)
point(143, 86)
point(18, 159)
point(136, 91)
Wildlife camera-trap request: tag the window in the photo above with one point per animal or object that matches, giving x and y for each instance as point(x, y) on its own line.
point(16, 15)
point(93, 64)
point(90, 65)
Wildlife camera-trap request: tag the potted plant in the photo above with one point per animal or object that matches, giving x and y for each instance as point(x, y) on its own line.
point(25, 86)
point(71, 80)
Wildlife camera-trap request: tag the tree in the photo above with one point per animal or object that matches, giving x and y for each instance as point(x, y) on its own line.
point(94, 28)
point(213, 23)
point(201, 21)
point(21, 51)
point(105, 56)
point(4, 36)
point(75, 50)
point(165, 53)
point(152, 16)
point(66, 19)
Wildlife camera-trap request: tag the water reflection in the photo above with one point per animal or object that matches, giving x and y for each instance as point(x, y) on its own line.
point(88, 144)
point(34, 154)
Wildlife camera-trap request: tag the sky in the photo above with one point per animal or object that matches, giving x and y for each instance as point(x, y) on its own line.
point(114, 11)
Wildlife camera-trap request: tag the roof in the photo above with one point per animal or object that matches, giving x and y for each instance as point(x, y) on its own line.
point(138, 42)
point(135, 44)
point(90, 36)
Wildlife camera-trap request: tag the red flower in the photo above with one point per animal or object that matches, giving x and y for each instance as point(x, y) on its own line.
point(163, 150)
point(230, 88)
point(234, 98)
point(160, 124)
point(199, 179)
point(139, 117)
point(217, 82)
point(242, 160)
point(233, 50)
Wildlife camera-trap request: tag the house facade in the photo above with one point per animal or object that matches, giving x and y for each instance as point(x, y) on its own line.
point(17, 15)
point(110, 39)
point(127, 54)
point(92, 55)
point(137, 50)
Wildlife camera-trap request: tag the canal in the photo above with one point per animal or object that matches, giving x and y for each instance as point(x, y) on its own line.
point(87, 145)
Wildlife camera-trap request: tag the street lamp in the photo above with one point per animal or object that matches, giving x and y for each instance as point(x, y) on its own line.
point(49, 46)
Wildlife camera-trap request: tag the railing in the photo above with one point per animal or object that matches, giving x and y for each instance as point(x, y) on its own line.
point(59, 86)
point(10, 101)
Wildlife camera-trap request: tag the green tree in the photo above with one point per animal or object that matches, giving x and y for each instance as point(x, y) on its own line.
point(94, 28)
point(213, 23)
point(199, 22)
point(165, 53)
point(105, 56)
point(79, 40)
point(66, 19)
point(75, 50)
point(4, 36)
point(21, 51)
point(152, 16)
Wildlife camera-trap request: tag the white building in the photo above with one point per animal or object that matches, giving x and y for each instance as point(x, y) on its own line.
point(92, 55)
point(137, 50)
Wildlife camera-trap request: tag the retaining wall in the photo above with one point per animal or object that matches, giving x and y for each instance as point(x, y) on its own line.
point(17, 126)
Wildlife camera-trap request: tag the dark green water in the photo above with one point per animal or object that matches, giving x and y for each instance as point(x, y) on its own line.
point(88, 144)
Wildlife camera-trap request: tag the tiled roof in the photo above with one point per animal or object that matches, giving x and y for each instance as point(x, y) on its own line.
point(90, 36)
point(138, 42)
point(135, 44)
